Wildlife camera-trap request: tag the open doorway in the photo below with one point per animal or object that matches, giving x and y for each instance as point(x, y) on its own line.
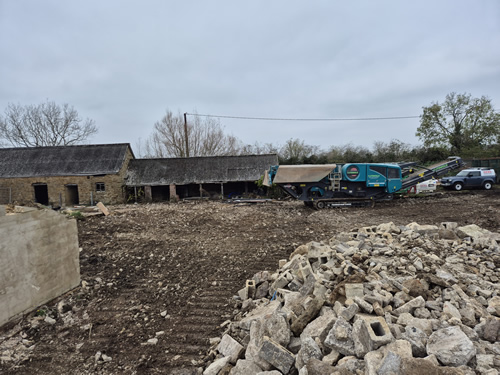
point(72, 195)
point(41, 194)
point(160, 193)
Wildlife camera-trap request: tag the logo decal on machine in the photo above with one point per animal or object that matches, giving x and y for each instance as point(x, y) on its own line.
point(352, 172)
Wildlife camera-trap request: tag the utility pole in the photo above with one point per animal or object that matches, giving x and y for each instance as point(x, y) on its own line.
point(186, 134)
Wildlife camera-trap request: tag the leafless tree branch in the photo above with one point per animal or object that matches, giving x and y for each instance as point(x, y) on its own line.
point(46, 124)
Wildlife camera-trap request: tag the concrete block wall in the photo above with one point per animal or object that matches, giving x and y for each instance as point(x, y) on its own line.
point(39, 260)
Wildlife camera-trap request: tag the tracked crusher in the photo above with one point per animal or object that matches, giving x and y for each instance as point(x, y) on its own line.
point(352, 184)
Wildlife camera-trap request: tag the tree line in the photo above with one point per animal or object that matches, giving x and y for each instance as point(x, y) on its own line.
point(461, 125)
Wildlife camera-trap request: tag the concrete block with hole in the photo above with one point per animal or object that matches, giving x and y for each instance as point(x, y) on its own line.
point(370, 333)
point(250, 285)
point(304, 270)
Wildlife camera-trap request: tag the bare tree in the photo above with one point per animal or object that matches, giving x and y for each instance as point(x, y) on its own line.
point(46, 124)
point(205, 138)
point(259, 149)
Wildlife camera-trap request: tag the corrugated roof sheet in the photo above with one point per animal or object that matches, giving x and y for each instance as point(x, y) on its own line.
point(198, 170)
point(80, 160)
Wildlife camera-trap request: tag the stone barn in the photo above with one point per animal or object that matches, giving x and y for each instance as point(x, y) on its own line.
point(213, 176)
point(64, 175)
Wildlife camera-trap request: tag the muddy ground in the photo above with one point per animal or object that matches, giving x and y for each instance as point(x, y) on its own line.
point(170, 271)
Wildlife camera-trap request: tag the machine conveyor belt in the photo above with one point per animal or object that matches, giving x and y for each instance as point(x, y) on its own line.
point(435, 170)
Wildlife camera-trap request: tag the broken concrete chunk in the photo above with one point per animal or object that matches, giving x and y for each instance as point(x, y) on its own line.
point(494, 306)
point(350, 364)
point(390, 364)
point(319, 327)
point(276, 355)
point(294, 344)
point(317, 367)
point(309, 349)
point(353, 290)
point(365, 306)
point(216, 366)
point(340, 337)
point(310, 311)
point(491, 330)
point(451, 311)
point(473, 231)
point(253, 347)
point(423, 366)
point(245, 367)
point(243, 293)
point(418, 340)
point(451, 346)
point(388, 228)
point(349, 312)
point(258, 314)
point(423, 229)
point(410, 306)
point(282, 280)
point(331, 358)
point(231, 348)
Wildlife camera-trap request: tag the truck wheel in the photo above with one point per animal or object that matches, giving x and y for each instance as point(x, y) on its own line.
point(487, 185)
point(458, 186)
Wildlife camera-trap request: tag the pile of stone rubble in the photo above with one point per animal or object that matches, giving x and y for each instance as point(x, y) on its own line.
point(418, 299)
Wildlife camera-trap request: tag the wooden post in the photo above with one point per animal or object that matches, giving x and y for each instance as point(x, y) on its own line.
point(201, 191)
point(222, 190)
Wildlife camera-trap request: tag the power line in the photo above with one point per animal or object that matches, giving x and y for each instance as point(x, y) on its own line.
point(303, 119)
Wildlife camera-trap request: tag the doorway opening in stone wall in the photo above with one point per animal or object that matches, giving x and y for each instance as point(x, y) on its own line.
point(72, 195)
point(41, 194)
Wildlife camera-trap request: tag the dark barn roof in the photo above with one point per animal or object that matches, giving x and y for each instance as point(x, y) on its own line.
point(198, 170)
point(80, 160)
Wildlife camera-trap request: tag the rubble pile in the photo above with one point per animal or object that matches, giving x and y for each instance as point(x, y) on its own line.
point(417, 299)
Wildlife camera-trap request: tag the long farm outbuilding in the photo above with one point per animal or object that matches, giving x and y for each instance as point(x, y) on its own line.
point(61, 176)
point(180, 178)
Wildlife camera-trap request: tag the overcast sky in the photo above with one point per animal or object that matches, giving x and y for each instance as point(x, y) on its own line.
point(124, 63)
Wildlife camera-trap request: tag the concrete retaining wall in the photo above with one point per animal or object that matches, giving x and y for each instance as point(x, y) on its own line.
point(39, 260)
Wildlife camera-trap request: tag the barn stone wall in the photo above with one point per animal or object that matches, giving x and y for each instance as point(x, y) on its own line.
point(23, 191)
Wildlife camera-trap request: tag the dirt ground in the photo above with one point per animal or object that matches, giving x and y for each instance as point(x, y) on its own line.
point(170, 271)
